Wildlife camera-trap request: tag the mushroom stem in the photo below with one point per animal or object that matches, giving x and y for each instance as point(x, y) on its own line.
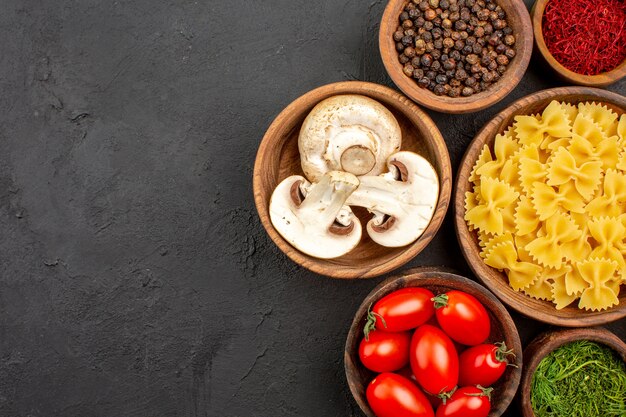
point(358, 160)
point(325, 199)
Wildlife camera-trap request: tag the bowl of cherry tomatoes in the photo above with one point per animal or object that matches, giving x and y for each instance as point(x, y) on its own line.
point(430, 343)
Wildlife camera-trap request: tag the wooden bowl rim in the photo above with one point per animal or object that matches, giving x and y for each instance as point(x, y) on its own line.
point(513, 75)
point(431, 275)
point(549, 341)
point(598, 80)
point(441, 156)
point(512, 298)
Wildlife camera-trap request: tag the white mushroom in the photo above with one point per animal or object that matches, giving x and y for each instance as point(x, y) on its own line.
point(313, 218)
point(403, 200)
point(349, 133)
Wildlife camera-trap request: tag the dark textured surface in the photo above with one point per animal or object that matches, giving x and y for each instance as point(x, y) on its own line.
point(135, 278)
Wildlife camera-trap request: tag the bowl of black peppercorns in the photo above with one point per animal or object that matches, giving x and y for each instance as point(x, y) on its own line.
point(456, 56)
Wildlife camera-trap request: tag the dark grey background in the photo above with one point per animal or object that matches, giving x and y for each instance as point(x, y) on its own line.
point(136, 279)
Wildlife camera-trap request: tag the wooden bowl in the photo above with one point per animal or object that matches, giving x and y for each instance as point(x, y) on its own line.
point(278, 158)
point(599, 80)
point(519, 20)
point(497, 281)
point(551, 340)
point(438, 281)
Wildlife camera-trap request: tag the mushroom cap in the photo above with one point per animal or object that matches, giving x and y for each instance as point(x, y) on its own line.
point(403, 200)
point(313, 217)
point(351, 133)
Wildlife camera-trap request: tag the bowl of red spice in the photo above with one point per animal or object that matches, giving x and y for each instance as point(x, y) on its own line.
point(456, 56)
point(584, 41)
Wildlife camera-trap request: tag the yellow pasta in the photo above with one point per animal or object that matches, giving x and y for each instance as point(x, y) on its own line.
point(600, 293)
point(487, 215)
point(549, 205)
point(563, 169)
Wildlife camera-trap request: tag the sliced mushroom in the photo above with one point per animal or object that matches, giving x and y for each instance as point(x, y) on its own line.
point(313, 218)
point(402, 200)
point(349, 133)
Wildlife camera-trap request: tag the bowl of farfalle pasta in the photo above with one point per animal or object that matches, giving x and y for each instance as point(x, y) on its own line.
point(541, 206)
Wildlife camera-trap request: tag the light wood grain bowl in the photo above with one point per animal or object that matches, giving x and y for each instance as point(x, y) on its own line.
point(599, 80)
point(497, 282)
point(438, 281)
point(547, 342)
point(278, 158)
point(518, 19)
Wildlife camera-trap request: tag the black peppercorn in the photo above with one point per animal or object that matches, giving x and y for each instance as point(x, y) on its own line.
point(426, 60)
point(399, 47)
point(408, 70)
point(416, 62)
point(453, 7)
point(456, 55)
point(470, 81)
point(488, 29)
point(419, 22)
point(437, 33)
point(431, 75)
point(493, 16)
point(420, 46)
point(454, 16)
point(439, 89)
point(448, 43)
point(438, 44)
point(510, 53)
point(502, 60)
point(436, 54)
point(460, 25)
point(479, 32)
point(404, 16)
point(414, 13)
point(441, 79)
point(424, 82)
point(499, 24)
point(428, 25)
point(444, 4)
point(458, 45)
point(403, 59)
point(467, 91)
point(435, 66)
point(501, 69)
point(476, 68)
point(507, 30)
point(430, 46)
point(492, 65)
point(418, 73)
point(398, 35)
point(449, 64)
point(427, 36)
point(409, 32)
point(423, 6)
point(500, 48)
point(409, 51)
point(509, 40)
point(460, 74)
point(472, 59)
point(430, 14)
point(488, 77)
point(454, 92)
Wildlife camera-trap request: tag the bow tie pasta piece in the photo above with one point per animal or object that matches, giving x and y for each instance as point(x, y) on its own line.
point(547, 201)
point(531, 169)
point(483, 158)
point(487, 216)
point(541, 289)
point(621, 129)
point(600, 293)
point(490, 242)
point(585, 126)
point(505, 146)
point(554, 122)
point(577, 249)
point(621, 161)
point(571, 111)
point(548, 250)
point(560, 297)
point(609, 233)
point(526, 217)
point(504, 257)
point(601, 115)
point(562, 169)
point(607, 151)
point(613, 198)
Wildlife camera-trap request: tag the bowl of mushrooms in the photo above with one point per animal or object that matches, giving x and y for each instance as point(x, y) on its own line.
point(352, 180)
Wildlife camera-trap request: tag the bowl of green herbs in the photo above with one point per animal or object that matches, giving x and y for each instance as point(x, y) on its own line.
point(574, 373)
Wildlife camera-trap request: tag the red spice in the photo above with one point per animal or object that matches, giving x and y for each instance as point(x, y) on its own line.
point(586, 36)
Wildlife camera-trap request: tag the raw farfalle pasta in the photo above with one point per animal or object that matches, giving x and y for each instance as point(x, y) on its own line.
point(549, 204)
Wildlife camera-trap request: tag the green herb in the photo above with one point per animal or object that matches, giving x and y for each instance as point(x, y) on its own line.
point(580, 379)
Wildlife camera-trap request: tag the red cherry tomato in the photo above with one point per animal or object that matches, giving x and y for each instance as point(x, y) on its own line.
point(391, 395)
point(401, 310)
point(434, 360)
point(467, 402)
point(408, 373)
point(462, 317)
point(483, 364)
point(385, 352)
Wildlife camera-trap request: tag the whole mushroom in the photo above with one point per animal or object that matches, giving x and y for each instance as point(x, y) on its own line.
point(349, 133)
point(313, 218)
point(402, 200)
